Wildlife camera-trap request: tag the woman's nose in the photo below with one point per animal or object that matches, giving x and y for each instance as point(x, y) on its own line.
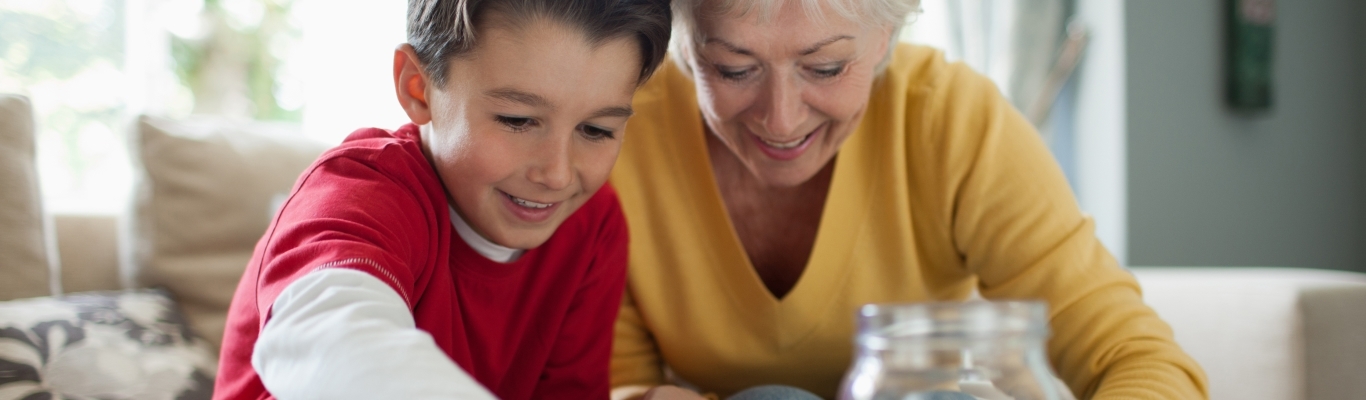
point(783, 109)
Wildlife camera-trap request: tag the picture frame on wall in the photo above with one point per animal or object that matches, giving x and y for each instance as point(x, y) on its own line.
point(1251, 35)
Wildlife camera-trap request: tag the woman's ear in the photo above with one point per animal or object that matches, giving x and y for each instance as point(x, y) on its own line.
point(410, 84)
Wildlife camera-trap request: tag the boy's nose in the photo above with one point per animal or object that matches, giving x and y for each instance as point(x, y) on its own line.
point(552, 168)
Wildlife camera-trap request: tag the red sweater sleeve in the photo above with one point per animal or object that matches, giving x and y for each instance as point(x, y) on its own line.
point(363, 206)
point(348, 213)
point(578, 364)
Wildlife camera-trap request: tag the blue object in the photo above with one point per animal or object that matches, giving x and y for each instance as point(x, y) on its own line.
point(773, 392)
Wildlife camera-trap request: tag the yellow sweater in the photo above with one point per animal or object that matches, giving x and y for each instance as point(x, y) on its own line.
point(943, 186)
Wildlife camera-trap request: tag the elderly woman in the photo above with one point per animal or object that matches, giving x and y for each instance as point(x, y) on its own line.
point(794, 162)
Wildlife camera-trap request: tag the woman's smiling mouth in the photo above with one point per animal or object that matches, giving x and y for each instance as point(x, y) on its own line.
point(785, 145)
point(788, 150)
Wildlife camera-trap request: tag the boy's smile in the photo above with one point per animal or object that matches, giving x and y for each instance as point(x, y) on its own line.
point(528, 210)
point(528, 125)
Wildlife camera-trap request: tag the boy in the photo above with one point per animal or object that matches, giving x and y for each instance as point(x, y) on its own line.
point(470, 254)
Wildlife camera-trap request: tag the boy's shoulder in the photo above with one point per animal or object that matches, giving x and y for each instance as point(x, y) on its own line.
point(397, 154)
point(373, 162)
point(369, 144)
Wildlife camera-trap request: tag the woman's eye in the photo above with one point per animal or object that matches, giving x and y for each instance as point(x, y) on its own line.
point(828, 72)
point(734, 74)
point(517, 124)
point(596, 133)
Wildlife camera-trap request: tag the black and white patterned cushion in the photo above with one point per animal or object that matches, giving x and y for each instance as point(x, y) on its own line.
point(102, 345)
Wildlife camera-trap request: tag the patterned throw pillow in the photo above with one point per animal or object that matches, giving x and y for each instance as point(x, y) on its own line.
point(102, 345)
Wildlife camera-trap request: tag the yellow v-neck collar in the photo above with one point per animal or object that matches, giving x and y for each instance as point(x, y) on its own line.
point(799, 313)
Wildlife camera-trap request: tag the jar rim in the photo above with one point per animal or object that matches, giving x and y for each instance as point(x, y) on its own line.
point(882, 322)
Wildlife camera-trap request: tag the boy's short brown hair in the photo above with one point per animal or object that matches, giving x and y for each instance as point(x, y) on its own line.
point(440, 30)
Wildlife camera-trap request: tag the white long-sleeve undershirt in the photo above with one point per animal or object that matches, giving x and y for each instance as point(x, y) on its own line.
point(343, 334)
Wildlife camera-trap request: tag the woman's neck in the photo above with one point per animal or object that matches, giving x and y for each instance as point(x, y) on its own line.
point(776, 225)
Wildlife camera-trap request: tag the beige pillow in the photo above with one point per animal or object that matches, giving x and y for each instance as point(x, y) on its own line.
point(207, 194)
point(24, 268)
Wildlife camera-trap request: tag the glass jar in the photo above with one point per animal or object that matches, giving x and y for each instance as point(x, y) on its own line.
point(951, 351)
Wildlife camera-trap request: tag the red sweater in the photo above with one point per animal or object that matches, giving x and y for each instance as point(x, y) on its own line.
point(539, 327)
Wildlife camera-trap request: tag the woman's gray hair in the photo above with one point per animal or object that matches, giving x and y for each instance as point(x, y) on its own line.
point(873, 13)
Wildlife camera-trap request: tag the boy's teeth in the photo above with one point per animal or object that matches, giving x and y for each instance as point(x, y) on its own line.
point(784, 145)
point(527, 203)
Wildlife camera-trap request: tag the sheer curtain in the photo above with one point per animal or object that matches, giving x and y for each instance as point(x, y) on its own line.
point(1027, 47)
point(1016, 43)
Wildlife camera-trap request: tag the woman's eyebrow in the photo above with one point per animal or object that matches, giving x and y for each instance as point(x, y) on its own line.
point(733, 48)
point(817, 47)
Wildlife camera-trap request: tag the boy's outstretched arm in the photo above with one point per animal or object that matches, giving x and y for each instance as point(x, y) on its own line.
point(338, 333)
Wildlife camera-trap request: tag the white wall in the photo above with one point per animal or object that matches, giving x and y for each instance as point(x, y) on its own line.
point(1207, 186)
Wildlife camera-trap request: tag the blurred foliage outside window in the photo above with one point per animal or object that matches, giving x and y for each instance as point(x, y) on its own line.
point(235, 61)
point(90, 66)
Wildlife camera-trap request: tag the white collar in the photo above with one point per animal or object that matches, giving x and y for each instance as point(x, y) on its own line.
point(481, 245)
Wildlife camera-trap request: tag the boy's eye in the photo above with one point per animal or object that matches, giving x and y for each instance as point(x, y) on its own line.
point(517, 124)
point(733, 74)
point(596, 133)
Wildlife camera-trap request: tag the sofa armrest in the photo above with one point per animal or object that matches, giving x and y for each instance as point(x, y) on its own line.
point(1335, 352)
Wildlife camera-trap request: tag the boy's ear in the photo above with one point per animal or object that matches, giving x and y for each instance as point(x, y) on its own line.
point(410, 83)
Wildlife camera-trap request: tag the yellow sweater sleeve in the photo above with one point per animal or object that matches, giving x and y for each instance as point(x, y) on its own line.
point(635, 358)
point(1020, 231)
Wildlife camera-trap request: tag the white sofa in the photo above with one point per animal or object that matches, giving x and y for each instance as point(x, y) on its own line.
point(1260, 333)
point(1267, 333)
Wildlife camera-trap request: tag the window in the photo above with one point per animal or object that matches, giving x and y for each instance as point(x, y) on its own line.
point(89, 66)
point(68, 58)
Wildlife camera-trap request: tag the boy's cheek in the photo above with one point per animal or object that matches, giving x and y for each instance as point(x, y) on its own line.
point(598, 168)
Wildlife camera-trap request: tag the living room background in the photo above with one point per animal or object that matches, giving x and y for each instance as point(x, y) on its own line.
point(1172, 176)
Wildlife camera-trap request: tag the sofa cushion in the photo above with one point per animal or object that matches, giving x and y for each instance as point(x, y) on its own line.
point(107, 345)
point(88, 246)
point(207, 193)
point(24, 270)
